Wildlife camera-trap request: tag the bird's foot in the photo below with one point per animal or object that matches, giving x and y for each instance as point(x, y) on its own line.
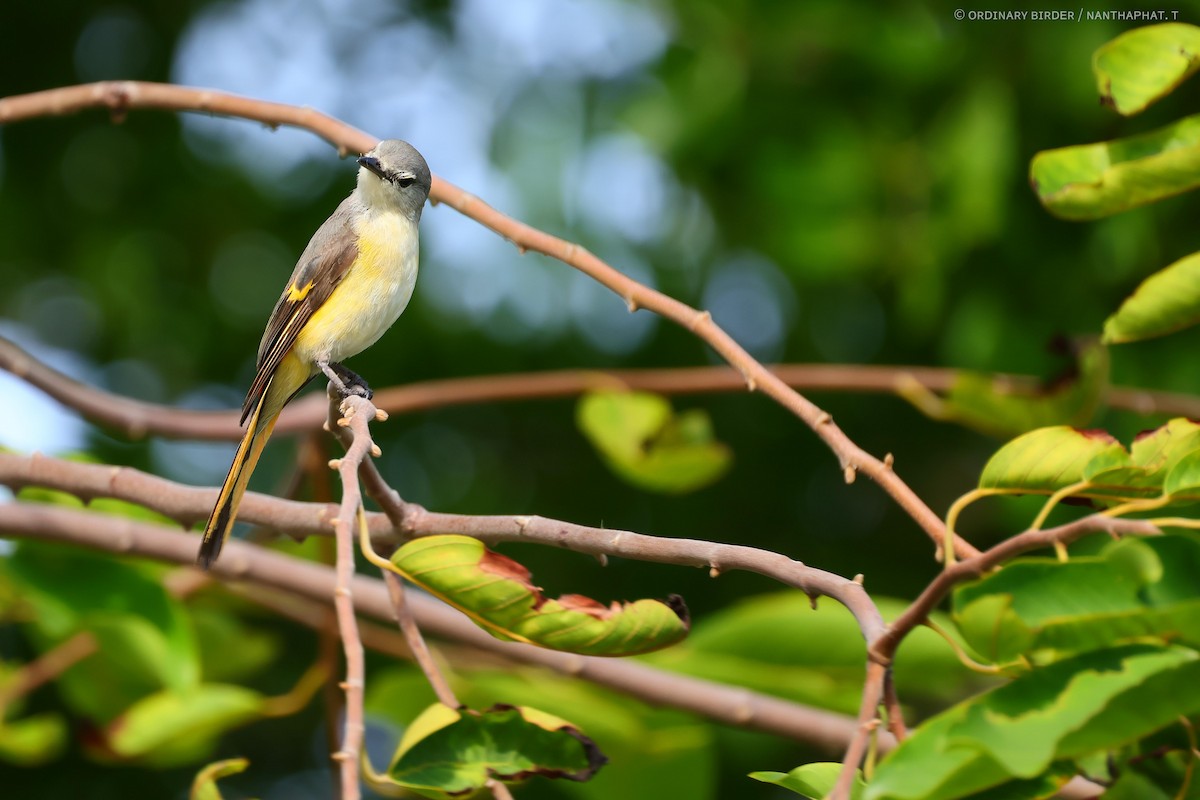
point(345, 380)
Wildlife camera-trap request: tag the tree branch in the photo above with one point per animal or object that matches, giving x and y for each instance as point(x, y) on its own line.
point(352, 414)
point(303, 519)
point(136, 419)
point(121, 96)
point(240, 561)
point(884, 648)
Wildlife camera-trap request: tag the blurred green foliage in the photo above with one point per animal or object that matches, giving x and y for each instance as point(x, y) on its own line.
point(865, 164)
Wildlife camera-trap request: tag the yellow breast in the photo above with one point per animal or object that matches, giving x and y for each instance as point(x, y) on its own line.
point(374, 293)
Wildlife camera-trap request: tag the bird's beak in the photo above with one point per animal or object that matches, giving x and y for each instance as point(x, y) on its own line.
point(372, 163)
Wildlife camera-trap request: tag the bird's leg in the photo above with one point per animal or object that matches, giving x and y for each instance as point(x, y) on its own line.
point(345, 380)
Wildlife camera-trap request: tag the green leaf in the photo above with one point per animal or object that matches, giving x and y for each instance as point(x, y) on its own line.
point(653, 751)
point(33, 740)
point(204, 786)
point(1167, 301)
point(766, 643)
point(496, 592)
point(645, 443)
point(145, 640)
point(215, 629)
point(1164, 461)
point(1145, 64)
point(1047, 459)
point(1023, 731)
point(997, 407)
point(448, 752)
point(1091, 181)
point(1087, 603)
point(814, 781)
point(169, 728)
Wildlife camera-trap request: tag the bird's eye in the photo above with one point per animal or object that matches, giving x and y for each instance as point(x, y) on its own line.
point(405, 182)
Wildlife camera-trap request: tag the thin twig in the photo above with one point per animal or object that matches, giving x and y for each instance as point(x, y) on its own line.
point(868, 723)
point(354, 412)
point(47, 667)
point(136, 418)
point(416, 642)
point(891, 704)
point(499, 790)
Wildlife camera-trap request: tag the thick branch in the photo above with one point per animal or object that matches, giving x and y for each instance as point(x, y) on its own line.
point(299, 519)
point(244, 562)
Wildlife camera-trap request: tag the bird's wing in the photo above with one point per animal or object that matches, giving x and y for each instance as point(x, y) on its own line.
point(321, 268)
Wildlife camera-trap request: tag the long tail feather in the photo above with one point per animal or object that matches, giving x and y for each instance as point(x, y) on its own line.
point(220, 522)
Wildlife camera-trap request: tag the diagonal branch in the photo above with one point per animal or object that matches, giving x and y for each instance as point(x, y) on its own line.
point(121, 96)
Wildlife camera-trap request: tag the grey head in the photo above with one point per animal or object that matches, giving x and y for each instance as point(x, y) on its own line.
point(394, 172)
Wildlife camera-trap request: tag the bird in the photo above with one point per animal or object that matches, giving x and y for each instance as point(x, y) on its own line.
point(352, 282)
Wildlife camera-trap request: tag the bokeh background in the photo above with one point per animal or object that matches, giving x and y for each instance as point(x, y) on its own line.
point(836, 183)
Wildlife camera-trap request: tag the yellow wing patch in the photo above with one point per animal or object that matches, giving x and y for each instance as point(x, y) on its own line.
point(296, 294)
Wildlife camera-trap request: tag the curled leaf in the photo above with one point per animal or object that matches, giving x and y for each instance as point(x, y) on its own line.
point(449, 752)
point(497, 593)
point(1004, 407)
point(1091, 181)
point(649, 445)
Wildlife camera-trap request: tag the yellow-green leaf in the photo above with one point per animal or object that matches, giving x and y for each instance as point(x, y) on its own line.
point(1167, 301)
point(1091, 181)
point(647, 444)
point(1046, 460)
point(169, 728)
point(497, 593)
point(1145, 64)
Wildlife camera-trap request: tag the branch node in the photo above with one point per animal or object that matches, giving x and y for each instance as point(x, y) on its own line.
point(631, 304)
point(698, 319)
point(812, 601)
point(381, 415)
point(325, 426)
point(858, 579)
point(344, 422)
point(602, 559)
point(714, 571)
point(849, 473)
point(825, 418)
point(521, 249)
point(375, 451)
point(341, 755)
point(335, 463)
point(888, 460)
